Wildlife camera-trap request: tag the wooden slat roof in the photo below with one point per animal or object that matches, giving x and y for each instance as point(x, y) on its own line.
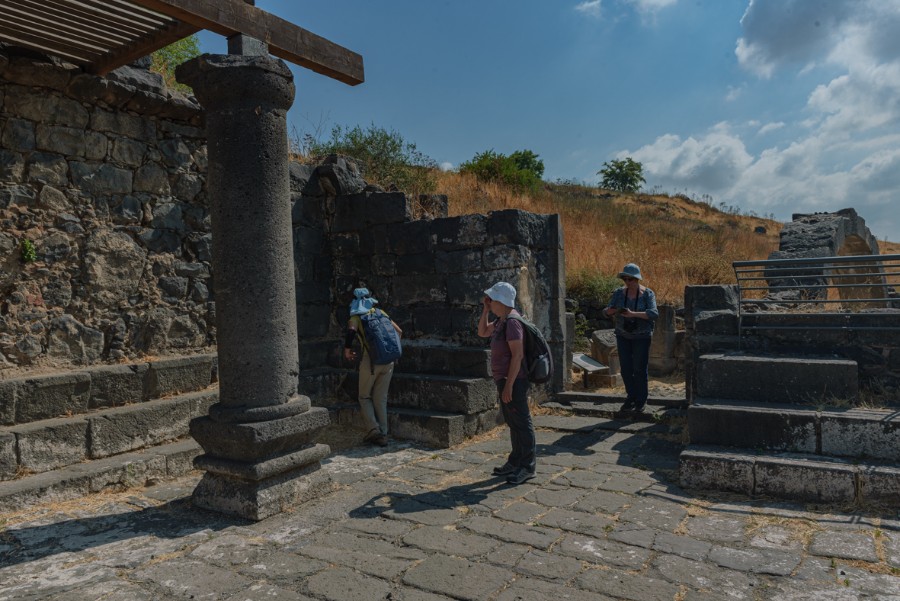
point(101, 35)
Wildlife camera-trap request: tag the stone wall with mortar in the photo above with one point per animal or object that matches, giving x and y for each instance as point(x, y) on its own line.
point(105, 177)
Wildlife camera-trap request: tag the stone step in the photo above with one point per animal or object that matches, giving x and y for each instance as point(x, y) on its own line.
point(602, 398)
point(568, 422)
point(777, 379)
point(794, 476)
point(50, 444)
point(457, 361)
point(115, 473)
point(835, 432)
point(437, 429)
point(468, 396)
point(610, 411)
point(34, 398)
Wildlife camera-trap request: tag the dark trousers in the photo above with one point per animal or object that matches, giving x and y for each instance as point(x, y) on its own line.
point(521, 429)
point(634, 357)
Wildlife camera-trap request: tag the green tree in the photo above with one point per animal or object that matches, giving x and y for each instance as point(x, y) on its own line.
point(626, 175)
point(164, 60)
point(384, 156)
point(521, 170)
point(526, 160)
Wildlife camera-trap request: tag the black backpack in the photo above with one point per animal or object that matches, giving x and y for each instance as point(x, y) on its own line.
point(538, 360)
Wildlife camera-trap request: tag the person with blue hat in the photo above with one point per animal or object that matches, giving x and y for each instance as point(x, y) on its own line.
point(634, 309)
point(374, 379)
point(507, 353)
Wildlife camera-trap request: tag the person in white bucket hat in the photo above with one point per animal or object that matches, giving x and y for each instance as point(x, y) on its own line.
point(507, 352)
point(633, 308)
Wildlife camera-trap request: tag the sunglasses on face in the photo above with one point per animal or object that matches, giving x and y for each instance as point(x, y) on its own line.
point(628, 279)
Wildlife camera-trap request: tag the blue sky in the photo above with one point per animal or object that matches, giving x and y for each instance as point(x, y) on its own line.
point(774, 106)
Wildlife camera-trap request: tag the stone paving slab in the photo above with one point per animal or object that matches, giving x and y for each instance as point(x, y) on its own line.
point(408, 523)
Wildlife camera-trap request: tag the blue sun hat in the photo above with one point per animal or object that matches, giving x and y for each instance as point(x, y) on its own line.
point(362, 303)
point(631, 271)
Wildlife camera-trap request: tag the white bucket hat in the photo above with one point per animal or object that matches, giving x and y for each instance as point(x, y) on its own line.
point(503, 293)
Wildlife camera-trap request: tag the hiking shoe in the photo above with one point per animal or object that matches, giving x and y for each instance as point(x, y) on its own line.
point(627, 407)
point(372, 435)
point(519, 476)
point(504, 470)
point(381, 440)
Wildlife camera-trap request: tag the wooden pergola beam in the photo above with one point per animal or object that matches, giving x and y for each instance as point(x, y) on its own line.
point(285, 40)
point(142, 47)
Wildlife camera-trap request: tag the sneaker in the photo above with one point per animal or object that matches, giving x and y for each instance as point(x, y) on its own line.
point(372, 435)
point(519, 476)
point(504, 470)
point(381, 440)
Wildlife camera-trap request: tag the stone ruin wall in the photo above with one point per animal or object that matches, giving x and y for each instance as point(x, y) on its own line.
point(106, 176)
point(429, 274)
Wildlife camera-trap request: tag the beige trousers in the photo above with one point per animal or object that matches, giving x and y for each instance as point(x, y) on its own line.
point(373, 390)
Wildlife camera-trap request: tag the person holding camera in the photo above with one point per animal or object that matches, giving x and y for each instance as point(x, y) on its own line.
point(634, 308)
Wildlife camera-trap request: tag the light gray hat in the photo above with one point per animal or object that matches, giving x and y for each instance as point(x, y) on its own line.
point(502, 293)
point(631, 271)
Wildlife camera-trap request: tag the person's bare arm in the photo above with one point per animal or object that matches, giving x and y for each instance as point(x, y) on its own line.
point(517, 348)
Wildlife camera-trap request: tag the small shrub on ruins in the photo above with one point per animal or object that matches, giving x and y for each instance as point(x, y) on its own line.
point(591, 284)
point(385, 157)
point(29, 254)
point(164, 60)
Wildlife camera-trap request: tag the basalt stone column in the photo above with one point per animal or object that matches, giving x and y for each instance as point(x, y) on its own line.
point(260, 454)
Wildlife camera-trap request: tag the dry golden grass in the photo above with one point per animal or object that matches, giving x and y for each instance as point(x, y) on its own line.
point(676, 241)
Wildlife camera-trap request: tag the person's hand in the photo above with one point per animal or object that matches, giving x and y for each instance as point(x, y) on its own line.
point(486, 303)
point(506, 395)
point(349, 354)
point(626, 312)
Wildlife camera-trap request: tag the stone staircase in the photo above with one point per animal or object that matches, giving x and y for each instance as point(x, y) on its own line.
point(68, 434)
point(663, 417)
point(786, 427)
point(440, 395)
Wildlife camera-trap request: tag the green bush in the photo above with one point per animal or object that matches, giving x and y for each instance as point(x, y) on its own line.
point(28, 252)
point(166, 59)
point(522, 169)
point(384, 156)
point(586, 284)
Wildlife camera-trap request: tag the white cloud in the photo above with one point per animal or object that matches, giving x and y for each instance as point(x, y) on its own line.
point(651, 6)
point(770, 127)
point(446, 166)
point(590, 8)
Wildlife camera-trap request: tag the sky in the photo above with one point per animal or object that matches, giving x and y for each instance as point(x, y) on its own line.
point(772, 106)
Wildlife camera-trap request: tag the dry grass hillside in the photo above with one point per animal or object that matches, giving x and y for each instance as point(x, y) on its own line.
point(675, 240)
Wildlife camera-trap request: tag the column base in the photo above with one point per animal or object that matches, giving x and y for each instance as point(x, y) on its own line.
point(258, 500)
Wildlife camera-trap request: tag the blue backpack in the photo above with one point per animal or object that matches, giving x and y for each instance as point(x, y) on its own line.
point(380, 338)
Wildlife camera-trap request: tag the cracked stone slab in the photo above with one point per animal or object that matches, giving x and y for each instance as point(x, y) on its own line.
point(844, 545)
point(760, 561)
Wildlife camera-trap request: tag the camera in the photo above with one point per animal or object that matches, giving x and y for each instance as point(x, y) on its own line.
point(630, 325)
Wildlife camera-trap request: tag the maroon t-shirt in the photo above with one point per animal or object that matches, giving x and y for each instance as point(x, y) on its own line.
point(505, 330)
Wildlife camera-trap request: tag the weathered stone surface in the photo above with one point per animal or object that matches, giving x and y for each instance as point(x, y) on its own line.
point(9, 464)
point(49, 444)
point(778, 428)
point(702, 470)
point(72, 340)
point(805, 480)
point(861, 433)
point(124, 429)
point(844, 545)
point(457, 577)
point(113, 266)
point(179, 374)
point(52, 396)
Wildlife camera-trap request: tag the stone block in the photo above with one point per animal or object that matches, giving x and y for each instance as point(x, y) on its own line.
point(125, 429)
point(752, 427)
point(458, 261)
point(387, 207)
point(117, 385)
point(713, 323)
point(202, 401)
point(438, 430)
point(879, 485)
point(49, 444)
point(442, 393)
point(459, 361)
point(51, 396)
point(775, 379)
point(9, 392)
point(514, 226)
point(457, 233)
point(805, 479)
point(9, 464)
point(180, 457)
point(716, 470)
point(350, 213)
point(710, 298)
point(182, 374)
point(861, 433)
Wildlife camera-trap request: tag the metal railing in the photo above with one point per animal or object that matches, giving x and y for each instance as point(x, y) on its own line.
point(829, 290)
